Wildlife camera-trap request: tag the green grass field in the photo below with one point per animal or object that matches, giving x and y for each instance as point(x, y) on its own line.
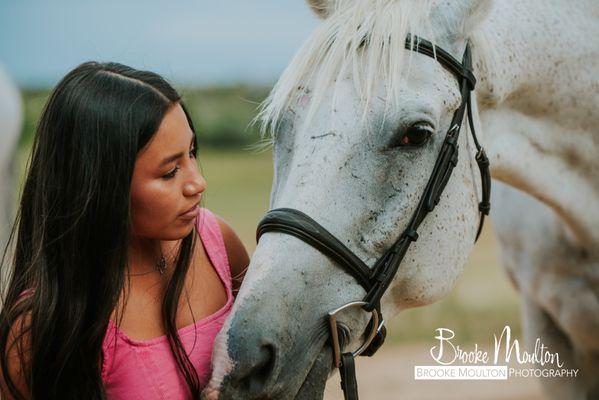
point(239, 183)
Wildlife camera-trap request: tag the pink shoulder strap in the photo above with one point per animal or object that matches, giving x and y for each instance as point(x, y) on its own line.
point(209, 230)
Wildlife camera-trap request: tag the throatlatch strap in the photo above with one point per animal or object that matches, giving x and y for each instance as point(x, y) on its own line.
point(484, 207)
point(349, 383)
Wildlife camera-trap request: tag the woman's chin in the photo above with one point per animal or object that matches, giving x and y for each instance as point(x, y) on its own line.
point(177, 233)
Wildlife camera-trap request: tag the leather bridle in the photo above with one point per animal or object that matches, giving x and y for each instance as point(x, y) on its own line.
point(377, 279)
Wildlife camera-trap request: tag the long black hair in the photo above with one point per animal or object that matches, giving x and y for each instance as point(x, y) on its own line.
point(72, 230)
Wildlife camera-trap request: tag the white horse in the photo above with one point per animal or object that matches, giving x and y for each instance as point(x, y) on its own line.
point(340, 114)
point(11, 115)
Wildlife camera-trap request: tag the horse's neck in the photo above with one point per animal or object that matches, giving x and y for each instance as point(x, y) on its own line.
point(542, 48)
point(537, 102)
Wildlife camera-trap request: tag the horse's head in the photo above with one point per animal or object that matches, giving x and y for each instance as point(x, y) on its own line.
point(357, 122)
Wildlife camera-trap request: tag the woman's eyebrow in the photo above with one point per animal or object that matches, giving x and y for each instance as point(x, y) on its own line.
point(175, 156)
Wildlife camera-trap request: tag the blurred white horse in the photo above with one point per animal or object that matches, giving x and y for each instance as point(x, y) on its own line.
point(341, 113)
point(11, 116)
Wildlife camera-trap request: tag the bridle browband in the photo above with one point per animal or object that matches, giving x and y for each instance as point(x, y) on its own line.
point(377, 279)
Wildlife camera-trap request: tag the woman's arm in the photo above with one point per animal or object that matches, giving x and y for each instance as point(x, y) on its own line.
point(236, 252)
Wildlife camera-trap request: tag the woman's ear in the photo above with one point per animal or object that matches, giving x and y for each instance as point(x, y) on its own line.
point(322, 8)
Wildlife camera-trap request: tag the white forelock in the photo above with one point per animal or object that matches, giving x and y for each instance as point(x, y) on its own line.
point(362, 38)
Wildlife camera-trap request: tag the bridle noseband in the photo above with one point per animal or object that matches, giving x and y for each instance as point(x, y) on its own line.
point(377, 279)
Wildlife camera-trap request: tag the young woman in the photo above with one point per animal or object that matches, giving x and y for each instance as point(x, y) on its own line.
point(119, 281)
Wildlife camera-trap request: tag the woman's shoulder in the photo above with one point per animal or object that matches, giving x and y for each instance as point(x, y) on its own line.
point(18, 354)
point(236, 252)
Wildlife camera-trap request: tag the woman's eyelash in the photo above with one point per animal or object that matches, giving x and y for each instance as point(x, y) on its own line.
point(172, 173)
point(192, 153)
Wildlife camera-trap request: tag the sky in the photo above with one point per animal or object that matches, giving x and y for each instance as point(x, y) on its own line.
point(190, 42)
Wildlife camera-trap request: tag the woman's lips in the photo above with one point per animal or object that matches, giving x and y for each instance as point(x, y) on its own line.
point(193, 211)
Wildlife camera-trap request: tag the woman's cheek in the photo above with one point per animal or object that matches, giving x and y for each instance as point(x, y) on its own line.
point(153, 208)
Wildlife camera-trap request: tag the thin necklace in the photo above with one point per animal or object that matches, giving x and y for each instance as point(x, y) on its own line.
point(160, 266)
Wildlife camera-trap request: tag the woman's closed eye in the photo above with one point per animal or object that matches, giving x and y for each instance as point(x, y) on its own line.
point(173, 172)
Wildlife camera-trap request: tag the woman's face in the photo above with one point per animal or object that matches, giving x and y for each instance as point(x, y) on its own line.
point(166, 181)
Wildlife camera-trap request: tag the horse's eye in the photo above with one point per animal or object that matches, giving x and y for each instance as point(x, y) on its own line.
point(416, 135)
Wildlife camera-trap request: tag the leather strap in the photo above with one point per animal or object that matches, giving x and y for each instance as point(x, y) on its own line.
point(376, 281)
point(386, 268)
point(349, 383)
point(376, 343)
point(459, 69)
point(485, 174)
point(296, 223)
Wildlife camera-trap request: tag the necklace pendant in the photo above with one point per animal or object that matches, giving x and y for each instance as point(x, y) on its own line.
point(161, 265)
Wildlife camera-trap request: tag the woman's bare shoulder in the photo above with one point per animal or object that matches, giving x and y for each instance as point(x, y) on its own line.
point(17, 356)
point(236, 252)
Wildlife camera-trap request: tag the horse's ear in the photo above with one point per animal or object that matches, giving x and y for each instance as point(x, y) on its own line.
point(479, 10)
point(463, 16)
point(322, 8)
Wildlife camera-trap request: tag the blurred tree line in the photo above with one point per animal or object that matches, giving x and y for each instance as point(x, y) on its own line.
point(222, 115)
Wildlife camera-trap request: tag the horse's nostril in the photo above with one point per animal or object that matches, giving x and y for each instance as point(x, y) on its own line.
point(258, 374)
point(264, 369)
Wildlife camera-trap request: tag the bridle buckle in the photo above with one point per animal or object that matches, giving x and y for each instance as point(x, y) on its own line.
point(376, 326)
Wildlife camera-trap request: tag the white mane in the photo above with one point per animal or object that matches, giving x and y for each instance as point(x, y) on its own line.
point(365, 38)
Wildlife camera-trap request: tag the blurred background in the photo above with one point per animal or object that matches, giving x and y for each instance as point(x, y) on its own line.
point(224, 57)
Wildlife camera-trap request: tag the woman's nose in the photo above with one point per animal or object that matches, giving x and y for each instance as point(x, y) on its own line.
point(195, 185)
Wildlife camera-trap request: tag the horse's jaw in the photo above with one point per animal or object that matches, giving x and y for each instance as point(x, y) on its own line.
point(314, 385)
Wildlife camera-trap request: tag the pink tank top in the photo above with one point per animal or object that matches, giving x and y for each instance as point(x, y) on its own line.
point(146, 369)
